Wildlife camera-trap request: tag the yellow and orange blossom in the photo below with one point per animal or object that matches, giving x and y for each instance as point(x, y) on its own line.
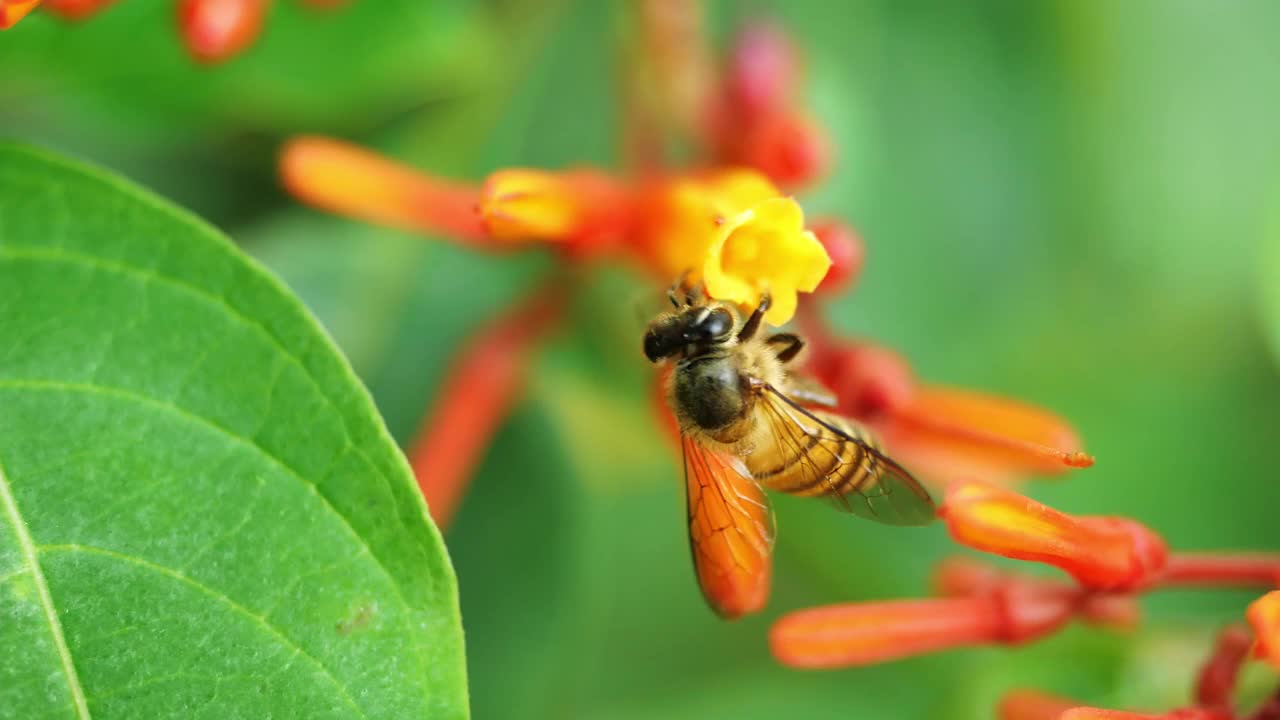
point(738, 234)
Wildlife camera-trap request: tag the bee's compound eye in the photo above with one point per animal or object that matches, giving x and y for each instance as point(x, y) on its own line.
point(717, 324)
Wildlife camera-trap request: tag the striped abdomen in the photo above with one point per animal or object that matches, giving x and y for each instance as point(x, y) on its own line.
point(803, 456)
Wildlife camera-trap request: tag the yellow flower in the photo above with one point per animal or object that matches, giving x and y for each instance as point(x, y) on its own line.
point(765, 249)
point(737, 232)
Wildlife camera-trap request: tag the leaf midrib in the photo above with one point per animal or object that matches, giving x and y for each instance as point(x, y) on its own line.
point(23, 534)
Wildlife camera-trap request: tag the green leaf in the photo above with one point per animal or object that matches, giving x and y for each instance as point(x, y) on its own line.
point(201, 514)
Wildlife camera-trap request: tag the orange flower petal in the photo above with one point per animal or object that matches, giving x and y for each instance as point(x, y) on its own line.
point(1033, 705)
point(11, 11)
point(946, 433)
point(1264, 617)
point(346, 179)
point(482, 385)
point(1101, 553)
point(1089, 713)
point(215, 30)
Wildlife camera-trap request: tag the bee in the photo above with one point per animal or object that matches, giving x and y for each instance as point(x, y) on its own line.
point(747, 423)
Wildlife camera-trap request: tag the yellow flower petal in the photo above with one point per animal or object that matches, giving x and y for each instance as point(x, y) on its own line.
point(765, 249)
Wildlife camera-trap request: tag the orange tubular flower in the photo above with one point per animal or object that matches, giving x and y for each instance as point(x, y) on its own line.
point(940, 433)
point(11, 11)
point(483, 383)
point(1101, 553)
point(349, 180)
point(1264, 617)
point(584, 209)
point(1089, 713)
point(867, 633)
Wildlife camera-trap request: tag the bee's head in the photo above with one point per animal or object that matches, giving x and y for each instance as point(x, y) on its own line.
point(689, 332)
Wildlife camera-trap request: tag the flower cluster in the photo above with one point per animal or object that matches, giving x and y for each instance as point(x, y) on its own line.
point(212, 30)
point(1111, 561)
point(725, 217)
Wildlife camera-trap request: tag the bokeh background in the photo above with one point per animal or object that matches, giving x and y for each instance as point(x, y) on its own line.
point(1070, 202)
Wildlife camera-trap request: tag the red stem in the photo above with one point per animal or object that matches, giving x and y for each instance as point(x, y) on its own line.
point(1216, 570)
point(484, 382)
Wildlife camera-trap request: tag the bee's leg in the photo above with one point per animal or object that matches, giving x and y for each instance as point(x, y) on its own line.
point(791, 346)
point(752, 324)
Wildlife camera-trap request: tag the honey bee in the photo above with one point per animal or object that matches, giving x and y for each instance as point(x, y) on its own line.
point(747, 423)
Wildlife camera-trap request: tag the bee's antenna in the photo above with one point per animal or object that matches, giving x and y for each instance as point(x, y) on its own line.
point(671, 295)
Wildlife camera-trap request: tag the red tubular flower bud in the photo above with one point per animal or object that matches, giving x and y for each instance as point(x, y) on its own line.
point(214, 30)
point(75, 10)
point(482, 385)
point(11, 11)
point(1101, 553)
point(1217, 679)
point(1222, 570)
point(1033, 705)
point(347, 179)
point(789, 147)
point(763, 69)
point(1264, 617)
point(846, 251)
point(868, 633)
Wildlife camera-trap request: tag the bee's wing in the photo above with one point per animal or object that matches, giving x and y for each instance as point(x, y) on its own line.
point(730, 532)
point(858, 477)
point(810, 392)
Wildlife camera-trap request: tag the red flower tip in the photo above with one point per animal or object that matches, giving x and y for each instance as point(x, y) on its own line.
point(846, 251)
point(1264, 617)
point(1033, 705)
point(75, 9)
point(1217, 680)
point(867, 633)
point(214, 30)
point(1101, 553)
point(349, 180)
point(11, 11)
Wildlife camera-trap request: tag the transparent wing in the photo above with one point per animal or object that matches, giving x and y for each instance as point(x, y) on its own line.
point(837, 459)
point(730, 532)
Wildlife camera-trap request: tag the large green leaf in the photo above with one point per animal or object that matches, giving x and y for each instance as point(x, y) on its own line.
point(201, 514)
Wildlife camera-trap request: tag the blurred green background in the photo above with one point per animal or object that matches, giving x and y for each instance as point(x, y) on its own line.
point(1072, 202)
